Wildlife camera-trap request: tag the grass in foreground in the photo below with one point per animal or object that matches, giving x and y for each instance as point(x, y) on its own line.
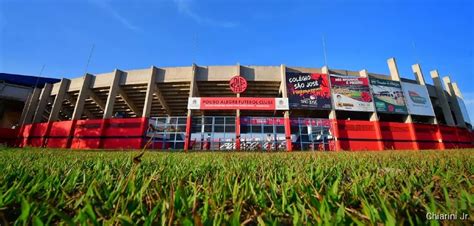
point(86, 187)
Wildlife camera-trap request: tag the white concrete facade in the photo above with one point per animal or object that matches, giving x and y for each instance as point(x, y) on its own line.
point(158, 91)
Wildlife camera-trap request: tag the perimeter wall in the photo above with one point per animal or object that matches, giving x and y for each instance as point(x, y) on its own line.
point(129, 133)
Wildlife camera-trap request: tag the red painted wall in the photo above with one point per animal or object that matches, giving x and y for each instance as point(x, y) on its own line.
point(124, 133)
point(396, 135)
point(124, 127)
point(87, 134)
point(59, 134)
point(464, 138)
point(24, 135)
point(129, 134)
point(357, 135)
point(8, 136)
point(450, 137)
point(119, 143)
point(37, 132)
point(426, 136)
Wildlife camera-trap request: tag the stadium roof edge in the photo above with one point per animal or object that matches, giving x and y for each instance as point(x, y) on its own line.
point(26, 80)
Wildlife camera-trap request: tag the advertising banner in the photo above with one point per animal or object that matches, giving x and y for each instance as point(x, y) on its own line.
point(388, 96)
point(308, 91)
point(311, 122)
point(280, 121)
point(233, 103)
point(464, 112)
point(351, 93)
point(417, 99)
point(262, 120)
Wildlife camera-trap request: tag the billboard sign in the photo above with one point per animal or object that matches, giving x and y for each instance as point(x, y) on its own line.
point(464, 112)
point(417, 99)
point(280, 121)
point(351, 93)
point(233, 103)
point(388, 96)
point(308, 91)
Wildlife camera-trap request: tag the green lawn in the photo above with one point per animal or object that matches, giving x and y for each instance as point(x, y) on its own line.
point(106, 187)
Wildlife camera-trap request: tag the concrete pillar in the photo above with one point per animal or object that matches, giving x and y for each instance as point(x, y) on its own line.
point(395, 75)
point(457, 91)
point(454, 102)
point(392, 66)
point(447, 84)
point(333, 116)
point(365, 74)
point(418, 74)
point(159, 95)
point(192, 91)
point(108, 107)
point(30, 111)
point(286, 114)
point(43, 101)
point(113, 91)
point(442, 99)
point(20, 140)
point(374, 117)
point(81, 98)
point(416, 68)
point(25, 109)
point(149, 93)
point(59, 99)
point(45, 95)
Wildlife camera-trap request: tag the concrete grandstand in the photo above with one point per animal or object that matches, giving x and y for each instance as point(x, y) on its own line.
point(239, 107)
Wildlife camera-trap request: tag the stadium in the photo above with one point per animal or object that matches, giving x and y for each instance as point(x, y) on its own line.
point(239, 107)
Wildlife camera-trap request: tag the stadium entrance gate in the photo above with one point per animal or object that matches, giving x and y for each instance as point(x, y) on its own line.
point(256, 133)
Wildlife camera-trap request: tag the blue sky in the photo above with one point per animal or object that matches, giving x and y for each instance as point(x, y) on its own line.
point(140, 33)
